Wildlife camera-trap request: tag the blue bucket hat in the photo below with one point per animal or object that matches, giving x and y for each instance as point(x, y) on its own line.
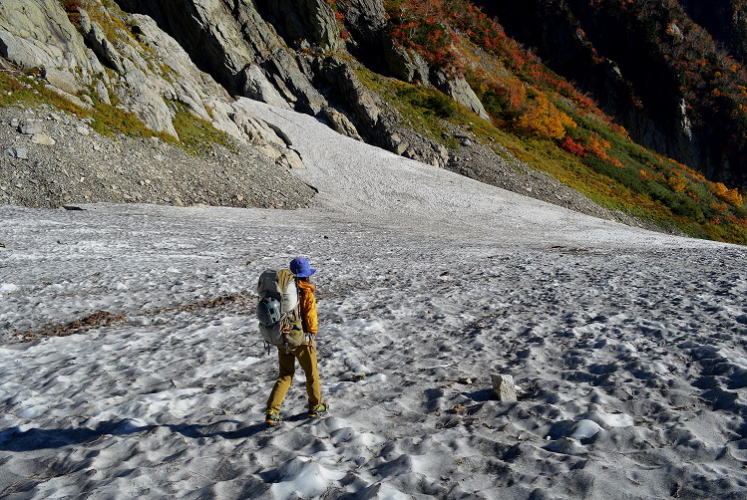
point(301, 267)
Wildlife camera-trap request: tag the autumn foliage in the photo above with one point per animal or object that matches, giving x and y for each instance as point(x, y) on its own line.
point(731, 196)
point(544, 119)
point(441, 31)
point(523, 97)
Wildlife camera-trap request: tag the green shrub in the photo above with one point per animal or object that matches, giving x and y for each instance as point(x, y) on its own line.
point(196, 135)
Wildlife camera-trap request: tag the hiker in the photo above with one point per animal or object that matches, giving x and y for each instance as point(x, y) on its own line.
point(305, 352)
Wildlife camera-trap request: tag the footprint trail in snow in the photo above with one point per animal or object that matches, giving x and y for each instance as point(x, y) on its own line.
point(628, 347)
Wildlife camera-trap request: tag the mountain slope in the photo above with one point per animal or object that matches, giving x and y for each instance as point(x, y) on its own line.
point(436, 81)
point(651, 67)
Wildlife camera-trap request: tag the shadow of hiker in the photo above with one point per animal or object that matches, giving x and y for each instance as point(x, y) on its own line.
point(14, 439)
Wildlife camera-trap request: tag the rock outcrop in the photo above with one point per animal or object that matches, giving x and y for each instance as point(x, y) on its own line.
point(303, 22)
point(282, 55)
point(109, 55)
point(37, 33)
point(458, 89)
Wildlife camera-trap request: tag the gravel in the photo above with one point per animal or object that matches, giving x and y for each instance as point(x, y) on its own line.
point(77, 165)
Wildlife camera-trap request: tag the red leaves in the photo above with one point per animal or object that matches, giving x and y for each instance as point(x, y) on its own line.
point(573, 147)
point(431, 27)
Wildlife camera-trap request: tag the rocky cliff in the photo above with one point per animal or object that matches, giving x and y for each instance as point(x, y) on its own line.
point(669, 72)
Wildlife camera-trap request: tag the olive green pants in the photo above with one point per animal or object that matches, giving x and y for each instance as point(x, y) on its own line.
point(306, 356)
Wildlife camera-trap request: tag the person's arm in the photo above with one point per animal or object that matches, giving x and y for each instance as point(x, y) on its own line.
point(308, 312)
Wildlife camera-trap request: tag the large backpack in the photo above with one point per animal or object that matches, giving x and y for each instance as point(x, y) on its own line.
point(277, 311)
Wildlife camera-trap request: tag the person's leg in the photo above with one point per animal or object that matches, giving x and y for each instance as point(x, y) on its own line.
point(287, 363)
point(307, 359)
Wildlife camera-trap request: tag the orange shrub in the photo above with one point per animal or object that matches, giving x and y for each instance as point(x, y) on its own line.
point(733, 219)
point(600, 147)
point(731, 196)
point(544, 119)
point(677, 183)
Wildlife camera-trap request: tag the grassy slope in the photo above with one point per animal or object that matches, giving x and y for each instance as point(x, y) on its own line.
point(644, 184)
point(196, 136)
point(544, 121)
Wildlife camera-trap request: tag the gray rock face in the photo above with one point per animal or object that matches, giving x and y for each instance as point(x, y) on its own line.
point(303, 20)
point(241, 46)
point(227, 40)
point(102, 47)
point(406, 65)
point(258, 87)
point(366, 21)
point(504, 388)
point(458, 89)
point(38, 34)
point(150, 71)
point(293, 77)
point(365, 106)
point(366, 16)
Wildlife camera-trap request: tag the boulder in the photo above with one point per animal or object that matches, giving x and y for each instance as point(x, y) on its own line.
point(458, 89)
point(340, 123)
point(257, 86)
point(290, 160)
point(43, 139)
point(504, 388)
point(30, 127)
point(62, 80)
point(18, 153)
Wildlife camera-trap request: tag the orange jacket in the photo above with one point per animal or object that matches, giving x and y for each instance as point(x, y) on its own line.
point(307, 307)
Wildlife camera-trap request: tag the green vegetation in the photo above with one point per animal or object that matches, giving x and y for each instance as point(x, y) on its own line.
point(109, 120)
point(24, 90)
point(608, 168)
point(197, 135)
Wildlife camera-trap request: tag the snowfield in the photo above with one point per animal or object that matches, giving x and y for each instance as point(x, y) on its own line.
point(628, 347)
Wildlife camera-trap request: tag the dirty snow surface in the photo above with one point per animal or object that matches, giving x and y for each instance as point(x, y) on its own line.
point(627, 347)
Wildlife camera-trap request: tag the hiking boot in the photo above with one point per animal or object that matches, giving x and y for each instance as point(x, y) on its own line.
point(272, 418)
point(318, 410)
